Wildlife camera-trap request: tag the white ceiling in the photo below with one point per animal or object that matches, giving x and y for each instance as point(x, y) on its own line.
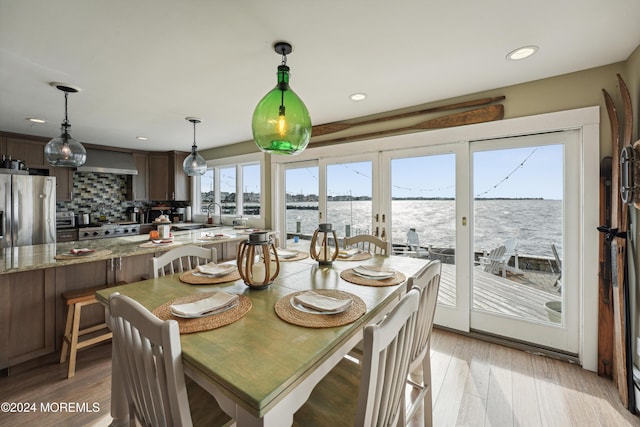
point(145, 65)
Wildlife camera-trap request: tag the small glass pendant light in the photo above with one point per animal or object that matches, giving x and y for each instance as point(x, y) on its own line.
point(194, 164)
point(281, 122)
point(64, 151)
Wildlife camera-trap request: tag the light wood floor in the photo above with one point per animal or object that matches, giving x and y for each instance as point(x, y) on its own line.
point(475, 383)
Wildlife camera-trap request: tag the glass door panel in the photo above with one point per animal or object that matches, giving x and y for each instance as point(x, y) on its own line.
point(520, 211)
point(349, 198)
point(301, 192)
point(425, 189)
point(423, 213)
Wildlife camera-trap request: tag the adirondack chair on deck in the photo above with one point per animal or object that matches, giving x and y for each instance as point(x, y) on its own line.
point(497, 261)
point(493, 262)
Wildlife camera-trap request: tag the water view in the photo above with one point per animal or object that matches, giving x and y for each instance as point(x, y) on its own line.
point(537, 224)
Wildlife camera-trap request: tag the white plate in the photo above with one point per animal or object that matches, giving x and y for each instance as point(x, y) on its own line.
point(219, 270)
point(373, 274)
point(282, 253)
point(208, 313)
point(348, 253)
point(83, 253)
point(304, 309)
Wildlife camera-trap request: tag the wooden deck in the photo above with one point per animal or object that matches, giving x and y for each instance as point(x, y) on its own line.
point(499, 295)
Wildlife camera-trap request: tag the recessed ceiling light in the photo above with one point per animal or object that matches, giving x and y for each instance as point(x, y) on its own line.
point(522, 53)
point(358, 96)
point(34, 120)
point(142, 138)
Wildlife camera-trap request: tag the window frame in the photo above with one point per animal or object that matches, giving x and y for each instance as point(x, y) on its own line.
point(238, 162)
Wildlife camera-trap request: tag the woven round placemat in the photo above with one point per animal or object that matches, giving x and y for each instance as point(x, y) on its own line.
point(159, 245)
point(350, 276)
point(297, 257)
point(188, 326)
point(360, 256)
point(188, 277)
point(290, 314)
point(92, 254)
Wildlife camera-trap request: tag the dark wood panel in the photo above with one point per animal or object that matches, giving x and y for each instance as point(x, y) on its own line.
point(158, 176)
point(138, 184)
point(28, 315)
point(30, 151)
point(179, 182)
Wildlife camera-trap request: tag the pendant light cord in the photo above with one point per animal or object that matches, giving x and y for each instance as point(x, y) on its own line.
point(194, 133)
point(282, 108)
point(66, 117)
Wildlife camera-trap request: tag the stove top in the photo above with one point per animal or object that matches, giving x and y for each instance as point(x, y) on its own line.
point(105, 230)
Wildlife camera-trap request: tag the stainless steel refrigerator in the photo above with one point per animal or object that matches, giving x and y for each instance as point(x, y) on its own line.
point(27, 209)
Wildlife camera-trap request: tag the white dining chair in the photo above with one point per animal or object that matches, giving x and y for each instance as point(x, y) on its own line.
point(427, 282)
point(181, 259)
point(368, 243)
point(149, 357)
point(370, 394)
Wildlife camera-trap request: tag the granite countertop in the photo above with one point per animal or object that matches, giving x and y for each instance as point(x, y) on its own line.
point(25, 258)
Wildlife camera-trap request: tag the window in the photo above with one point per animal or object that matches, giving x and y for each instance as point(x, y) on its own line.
point(225, 180)
point(251, 196)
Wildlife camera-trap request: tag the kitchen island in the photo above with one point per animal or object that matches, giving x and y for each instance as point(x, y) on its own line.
point(32, 281)
point(26, 258)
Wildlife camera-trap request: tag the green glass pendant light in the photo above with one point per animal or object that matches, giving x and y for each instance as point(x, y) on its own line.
point(64, 150)
point(281, 122)
point(194, 164)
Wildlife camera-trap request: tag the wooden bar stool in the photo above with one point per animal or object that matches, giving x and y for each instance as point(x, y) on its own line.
point(71, 343)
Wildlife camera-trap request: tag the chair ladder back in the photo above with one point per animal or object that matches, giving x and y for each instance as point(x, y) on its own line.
point(148, 354)
point(385, 364)
point(182, 259)
point(368, 243)
point(427, 281)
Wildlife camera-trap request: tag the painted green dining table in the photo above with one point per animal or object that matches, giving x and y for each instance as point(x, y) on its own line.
point(260, 368)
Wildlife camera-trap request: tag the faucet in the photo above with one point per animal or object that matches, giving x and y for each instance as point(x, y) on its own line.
point(213, 204)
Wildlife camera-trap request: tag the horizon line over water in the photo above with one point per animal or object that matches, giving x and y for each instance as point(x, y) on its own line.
point(536, 223)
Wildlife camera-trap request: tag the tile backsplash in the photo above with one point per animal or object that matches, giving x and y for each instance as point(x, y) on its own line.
point(93, 192)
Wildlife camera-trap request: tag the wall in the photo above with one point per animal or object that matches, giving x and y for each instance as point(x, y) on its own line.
point(94, 191)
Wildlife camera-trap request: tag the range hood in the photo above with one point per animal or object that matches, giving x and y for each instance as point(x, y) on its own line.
point(105, 161)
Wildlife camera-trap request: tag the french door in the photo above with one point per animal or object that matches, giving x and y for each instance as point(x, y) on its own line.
point(508, 217)
point(338, 191)
point(525, 238)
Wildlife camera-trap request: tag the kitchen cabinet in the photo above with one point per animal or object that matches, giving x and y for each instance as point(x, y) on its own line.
point(66, 235)
point(158, 176)
point(30, 151)
point(138, 184)
point(167, 180)
point(179, 182)
point(64, 183)
point(130, 269)
point(27, 316)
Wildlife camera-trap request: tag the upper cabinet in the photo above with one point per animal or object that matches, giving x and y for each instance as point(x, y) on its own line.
point(167, 180)
point(179, 182)
point(138, 184)
point(158, 176)
point(31, 152)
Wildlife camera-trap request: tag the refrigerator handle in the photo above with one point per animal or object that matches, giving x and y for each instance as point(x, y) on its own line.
point(1, 225)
